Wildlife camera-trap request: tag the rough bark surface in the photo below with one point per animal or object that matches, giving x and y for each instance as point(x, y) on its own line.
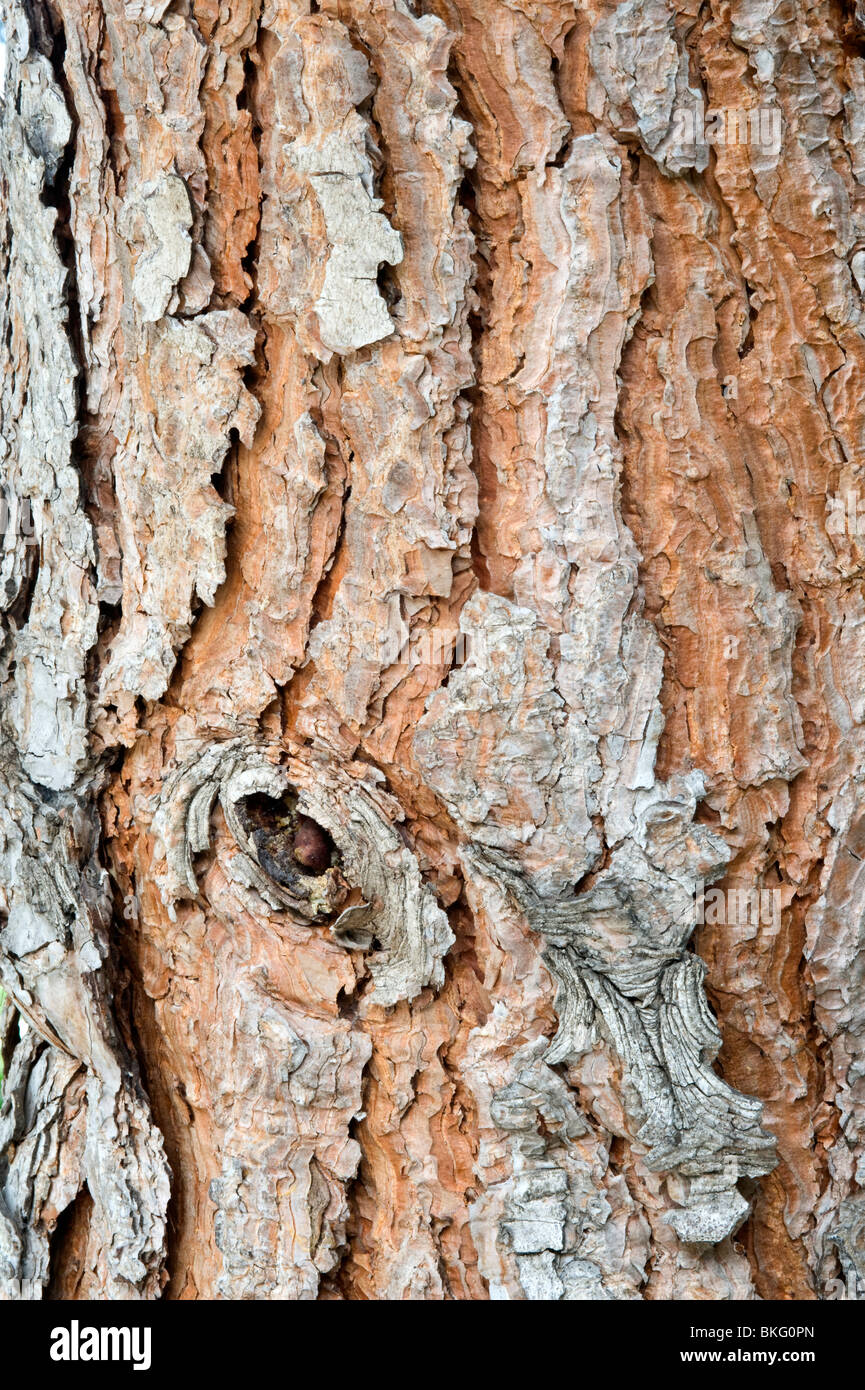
point(432, 476)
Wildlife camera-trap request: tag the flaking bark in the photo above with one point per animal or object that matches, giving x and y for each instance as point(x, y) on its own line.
point(417, 437)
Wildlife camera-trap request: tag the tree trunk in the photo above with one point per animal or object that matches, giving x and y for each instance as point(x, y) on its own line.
point(432, 821)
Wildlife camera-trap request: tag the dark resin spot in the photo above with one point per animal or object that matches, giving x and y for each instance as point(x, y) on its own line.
point(288, 844)
point(313, 847)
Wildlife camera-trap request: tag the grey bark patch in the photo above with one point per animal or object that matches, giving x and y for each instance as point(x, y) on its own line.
point(158, 219)
point(47, 709)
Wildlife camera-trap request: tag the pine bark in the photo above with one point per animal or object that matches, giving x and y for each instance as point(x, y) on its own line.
point(433, 471)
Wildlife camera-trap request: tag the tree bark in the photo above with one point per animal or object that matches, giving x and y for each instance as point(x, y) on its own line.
point(432, 811)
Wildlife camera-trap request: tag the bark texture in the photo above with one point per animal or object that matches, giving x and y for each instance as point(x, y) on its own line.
point(432, 476)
